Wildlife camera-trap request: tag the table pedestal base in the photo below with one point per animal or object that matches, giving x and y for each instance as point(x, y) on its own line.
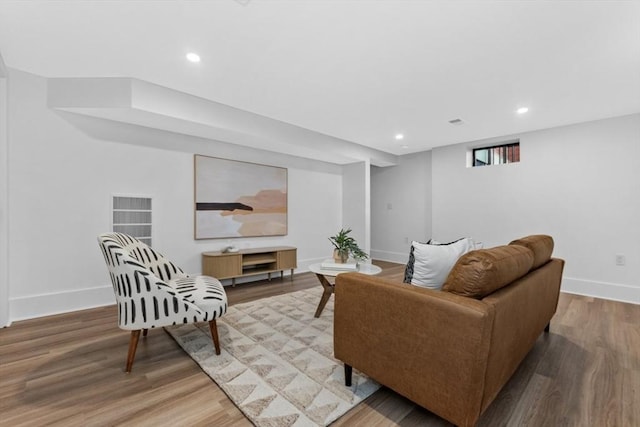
point(328, 290)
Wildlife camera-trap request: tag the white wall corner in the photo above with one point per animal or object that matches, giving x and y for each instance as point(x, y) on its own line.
point(3, 68)
point(367, 206)
point(5, 319)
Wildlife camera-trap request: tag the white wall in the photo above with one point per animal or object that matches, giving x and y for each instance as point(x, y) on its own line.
point(400, 206)
point(64, 169)
point(577, 183)
point(356, 203)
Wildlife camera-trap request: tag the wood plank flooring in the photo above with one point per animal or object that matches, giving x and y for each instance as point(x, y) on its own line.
point(68, 370)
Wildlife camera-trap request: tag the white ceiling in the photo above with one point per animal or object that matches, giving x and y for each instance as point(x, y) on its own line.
point(360, 71)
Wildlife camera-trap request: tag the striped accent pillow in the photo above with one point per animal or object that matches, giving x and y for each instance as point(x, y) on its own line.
point(429, 264)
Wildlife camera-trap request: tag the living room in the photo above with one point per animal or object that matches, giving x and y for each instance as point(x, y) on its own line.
point(576, 180)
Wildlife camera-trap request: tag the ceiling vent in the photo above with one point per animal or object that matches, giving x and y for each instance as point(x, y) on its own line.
point(456, 122)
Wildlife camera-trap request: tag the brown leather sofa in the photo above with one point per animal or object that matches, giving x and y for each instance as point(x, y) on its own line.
point(450, 351)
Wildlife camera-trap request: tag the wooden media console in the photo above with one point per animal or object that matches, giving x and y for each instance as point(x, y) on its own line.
point(249, 262)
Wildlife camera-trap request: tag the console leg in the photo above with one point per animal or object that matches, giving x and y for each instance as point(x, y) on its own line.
point(348, 370)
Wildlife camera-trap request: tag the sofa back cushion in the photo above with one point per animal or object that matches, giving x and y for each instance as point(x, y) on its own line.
point(540, 244)
point(481, 272)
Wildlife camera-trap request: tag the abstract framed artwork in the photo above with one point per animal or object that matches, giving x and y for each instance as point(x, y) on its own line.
point(238, 199)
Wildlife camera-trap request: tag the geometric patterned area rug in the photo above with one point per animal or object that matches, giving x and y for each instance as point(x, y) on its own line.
point(276, 362)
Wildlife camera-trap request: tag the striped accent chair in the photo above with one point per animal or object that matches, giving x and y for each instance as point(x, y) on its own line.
point(153, 292)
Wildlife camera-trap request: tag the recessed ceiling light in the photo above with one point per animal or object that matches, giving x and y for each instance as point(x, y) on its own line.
point(193, 57)
point(522, 110)
point(399, 136)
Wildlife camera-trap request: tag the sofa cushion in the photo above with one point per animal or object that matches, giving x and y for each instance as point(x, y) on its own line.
point(430, 264)
point(540, 244)
point(481, 272)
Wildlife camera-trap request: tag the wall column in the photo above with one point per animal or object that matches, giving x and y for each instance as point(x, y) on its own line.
point(4, 198)
point(356, 202)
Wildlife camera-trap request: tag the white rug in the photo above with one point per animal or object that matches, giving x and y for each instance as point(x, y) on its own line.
point(277, 361)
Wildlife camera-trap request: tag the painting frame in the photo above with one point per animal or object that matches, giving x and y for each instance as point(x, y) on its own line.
point(233, 198)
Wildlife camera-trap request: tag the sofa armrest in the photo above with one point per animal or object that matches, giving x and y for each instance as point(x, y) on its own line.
point(522, 312)
point(429, 346)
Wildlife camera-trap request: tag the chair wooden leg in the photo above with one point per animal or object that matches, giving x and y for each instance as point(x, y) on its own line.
point(214, 334)
point(133, 345)
point(144, 332)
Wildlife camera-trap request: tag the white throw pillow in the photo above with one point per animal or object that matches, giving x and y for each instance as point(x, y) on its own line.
point(432, 263)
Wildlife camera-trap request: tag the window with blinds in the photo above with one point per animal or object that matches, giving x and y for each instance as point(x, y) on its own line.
point(497, 154)
point(132, 216)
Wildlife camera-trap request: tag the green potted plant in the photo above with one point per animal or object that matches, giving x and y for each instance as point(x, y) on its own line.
point(346, 245)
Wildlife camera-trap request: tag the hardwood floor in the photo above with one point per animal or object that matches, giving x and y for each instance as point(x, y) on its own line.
point(68, 370)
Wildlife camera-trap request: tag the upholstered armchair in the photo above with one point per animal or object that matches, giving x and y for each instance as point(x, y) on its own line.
point(153, 292)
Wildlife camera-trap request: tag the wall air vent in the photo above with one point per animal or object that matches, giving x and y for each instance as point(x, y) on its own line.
point(456, 122)
point(132, 215)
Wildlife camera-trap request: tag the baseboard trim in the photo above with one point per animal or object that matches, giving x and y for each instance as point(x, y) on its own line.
point(604, 290)
point(571, 285)
point(398, 257)
point(32, 306)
